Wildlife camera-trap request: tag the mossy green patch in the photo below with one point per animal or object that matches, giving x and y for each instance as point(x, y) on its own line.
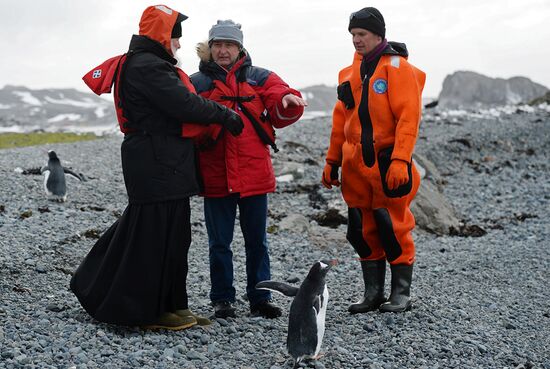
point(10, 140)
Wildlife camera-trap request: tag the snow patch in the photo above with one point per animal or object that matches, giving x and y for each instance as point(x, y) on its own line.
point(81, 104)
point(34, 111)
point(100, 111)
point(491, 113)
point(27, 98)
point(18, 129)
point(99, 130)
point(62, 117)
point(285, 178)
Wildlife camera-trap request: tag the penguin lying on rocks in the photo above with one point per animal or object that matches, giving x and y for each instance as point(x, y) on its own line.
point(306, 320)
point(54, 178)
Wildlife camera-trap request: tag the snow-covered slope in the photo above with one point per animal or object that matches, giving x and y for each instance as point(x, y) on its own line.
point(26, 110)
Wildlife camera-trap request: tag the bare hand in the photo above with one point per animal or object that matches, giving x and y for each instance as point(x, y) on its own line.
point(293, 100)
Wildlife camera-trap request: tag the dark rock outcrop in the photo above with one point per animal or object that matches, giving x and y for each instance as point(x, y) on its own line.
point(464, 89)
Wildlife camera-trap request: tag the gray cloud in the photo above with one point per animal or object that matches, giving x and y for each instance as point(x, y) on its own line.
point(53, 43)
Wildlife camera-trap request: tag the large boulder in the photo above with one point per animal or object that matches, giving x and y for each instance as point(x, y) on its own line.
point(431, 209)
point(469, 89)
point(545, 99)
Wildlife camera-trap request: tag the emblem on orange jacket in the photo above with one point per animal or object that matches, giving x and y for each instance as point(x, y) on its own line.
point(380, 86)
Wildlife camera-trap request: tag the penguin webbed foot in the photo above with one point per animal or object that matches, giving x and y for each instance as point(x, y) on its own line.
point(307, 362)
point(318, 356)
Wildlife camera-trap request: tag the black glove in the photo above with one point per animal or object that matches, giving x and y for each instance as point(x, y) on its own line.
point(233, 123)
point(331, 176)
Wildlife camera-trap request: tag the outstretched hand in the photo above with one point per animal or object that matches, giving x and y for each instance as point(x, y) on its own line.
point(293, 100)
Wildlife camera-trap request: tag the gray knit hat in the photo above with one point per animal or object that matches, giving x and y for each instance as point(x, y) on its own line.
point(226, 30)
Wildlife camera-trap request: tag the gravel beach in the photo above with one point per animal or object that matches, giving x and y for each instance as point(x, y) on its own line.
point(480, 297)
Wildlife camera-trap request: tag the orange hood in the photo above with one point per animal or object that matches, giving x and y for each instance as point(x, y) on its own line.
point(157, 22)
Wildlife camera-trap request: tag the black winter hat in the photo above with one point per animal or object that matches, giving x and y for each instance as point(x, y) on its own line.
point(176, 31)
point(370, 19)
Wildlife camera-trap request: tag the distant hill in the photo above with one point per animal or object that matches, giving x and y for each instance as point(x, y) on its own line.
point(24, 110)
point(320, 98)
point(470, 89)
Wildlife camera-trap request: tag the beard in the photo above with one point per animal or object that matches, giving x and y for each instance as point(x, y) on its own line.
point(177, 57)
point(175, 52)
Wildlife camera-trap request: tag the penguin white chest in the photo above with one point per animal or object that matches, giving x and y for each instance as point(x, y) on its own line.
point(321, 315)
point(46, 176)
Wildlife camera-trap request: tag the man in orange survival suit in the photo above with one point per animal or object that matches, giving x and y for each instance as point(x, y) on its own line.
point(374, 130)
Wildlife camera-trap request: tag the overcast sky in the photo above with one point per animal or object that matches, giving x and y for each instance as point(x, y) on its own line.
point(53, 43)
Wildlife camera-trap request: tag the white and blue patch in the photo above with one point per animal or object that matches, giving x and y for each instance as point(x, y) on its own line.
point(380, 86)
point(96, 73)
point(395, 61)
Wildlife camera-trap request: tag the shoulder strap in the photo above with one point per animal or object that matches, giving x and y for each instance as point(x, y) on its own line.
point(264, 136)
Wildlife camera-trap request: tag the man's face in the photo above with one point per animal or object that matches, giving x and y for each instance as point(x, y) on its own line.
point(225, 53)
point(174, 45)
point(364, 41)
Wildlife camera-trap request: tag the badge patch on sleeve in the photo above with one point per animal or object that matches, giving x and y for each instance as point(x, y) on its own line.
point(380, 86)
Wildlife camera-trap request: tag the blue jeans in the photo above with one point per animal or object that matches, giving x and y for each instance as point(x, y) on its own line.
point(220, 214)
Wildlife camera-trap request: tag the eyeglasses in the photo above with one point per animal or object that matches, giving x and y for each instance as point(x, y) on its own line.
point(363, 14)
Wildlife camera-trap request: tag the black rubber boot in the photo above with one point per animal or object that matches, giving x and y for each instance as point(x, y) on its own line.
point(374, 273)
point(400, 298)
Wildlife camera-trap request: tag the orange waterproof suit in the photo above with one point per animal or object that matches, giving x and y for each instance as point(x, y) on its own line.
point(371, 127)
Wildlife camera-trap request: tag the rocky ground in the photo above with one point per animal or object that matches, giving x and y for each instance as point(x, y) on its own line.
point(481, 297)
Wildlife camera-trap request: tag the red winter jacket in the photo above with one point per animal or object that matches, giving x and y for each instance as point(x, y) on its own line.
point(242, 164)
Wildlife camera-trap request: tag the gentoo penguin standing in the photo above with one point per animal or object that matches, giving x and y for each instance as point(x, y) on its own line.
point(54, 177)
point(306, 320)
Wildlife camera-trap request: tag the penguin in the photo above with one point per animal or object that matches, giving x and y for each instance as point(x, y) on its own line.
point(54, 178)
point(306, 320)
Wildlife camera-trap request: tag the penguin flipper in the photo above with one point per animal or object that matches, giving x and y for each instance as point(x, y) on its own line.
point(44, 168)
point(318, 303)
point(280, 287)
point(78, 176)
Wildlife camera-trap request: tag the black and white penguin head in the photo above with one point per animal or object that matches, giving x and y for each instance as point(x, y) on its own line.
point(321, 268)
point(52, 154)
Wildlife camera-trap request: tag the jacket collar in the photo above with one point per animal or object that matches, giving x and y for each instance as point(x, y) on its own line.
point(393, 48)
point(145, 44)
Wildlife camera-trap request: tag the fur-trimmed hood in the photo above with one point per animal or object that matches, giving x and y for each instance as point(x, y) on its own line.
point(203, 51)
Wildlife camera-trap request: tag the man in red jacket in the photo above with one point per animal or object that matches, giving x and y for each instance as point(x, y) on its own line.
point(237, 171)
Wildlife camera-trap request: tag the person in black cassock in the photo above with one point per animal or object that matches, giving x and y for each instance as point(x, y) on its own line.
point(136, 272)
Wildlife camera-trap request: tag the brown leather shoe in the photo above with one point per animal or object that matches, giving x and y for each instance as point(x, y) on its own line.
point(172, 322)
point(184, 313)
